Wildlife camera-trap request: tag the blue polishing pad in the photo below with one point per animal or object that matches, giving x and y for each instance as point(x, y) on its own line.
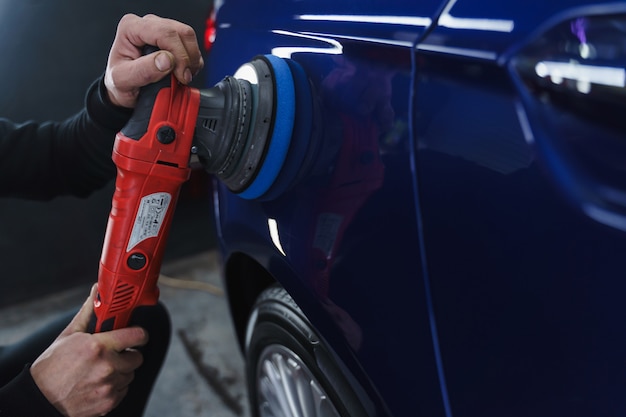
point(301, 134)
point(285, 99)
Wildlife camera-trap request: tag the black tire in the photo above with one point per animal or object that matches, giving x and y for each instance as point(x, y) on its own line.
point(279, 338)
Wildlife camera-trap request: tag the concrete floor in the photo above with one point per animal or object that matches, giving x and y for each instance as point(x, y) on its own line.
point(203, 374)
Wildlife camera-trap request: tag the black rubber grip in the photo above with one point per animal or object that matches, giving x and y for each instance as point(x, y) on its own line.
point(137, 317)
point(137, 126)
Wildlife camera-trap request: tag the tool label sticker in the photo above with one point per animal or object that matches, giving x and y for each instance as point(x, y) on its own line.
point(150, 215)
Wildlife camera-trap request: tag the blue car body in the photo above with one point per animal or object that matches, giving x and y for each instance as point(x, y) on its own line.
point(459, 242)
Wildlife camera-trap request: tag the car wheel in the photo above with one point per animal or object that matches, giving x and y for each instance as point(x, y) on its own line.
point(288, 368)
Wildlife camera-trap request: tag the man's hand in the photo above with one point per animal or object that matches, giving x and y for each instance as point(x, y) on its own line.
point(84, 375)
point(127, 70)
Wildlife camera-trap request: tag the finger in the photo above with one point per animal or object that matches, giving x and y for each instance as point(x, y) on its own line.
point(166, 34)
point(116, 396)
point(122, 393)
point(81, 320)
point(122, 339)
point(124, 380)
point(128, 361)
point(128, 75)
point(181, 41)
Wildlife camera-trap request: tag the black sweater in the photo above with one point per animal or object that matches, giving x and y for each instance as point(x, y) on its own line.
point(42, 161)
point(73, 157)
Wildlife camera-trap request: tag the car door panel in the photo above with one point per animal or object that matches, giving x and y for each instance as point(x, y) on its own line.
point(526, 285)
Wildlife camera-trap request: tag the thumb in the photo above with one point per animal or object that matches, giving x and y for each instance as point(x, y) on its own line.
point(130, 75)
point(81, 320)
point(147, 69)
point(164, 61)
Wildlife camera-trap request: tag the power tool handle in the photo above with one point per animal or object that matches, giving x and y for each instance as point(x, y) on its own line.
point(152, 157)
point(138, 124)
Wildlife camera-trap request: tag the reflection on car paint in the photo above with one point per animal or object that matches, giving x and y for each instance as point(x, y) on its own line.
point(517, 105)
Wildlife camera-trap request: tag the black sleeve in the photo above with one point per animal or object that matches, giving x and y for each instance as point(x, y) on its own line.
point(22, 398)
point(73, 157)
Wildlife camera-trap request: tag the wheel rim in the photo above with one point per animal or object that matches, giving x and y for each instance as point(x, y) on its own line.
point(286, 387)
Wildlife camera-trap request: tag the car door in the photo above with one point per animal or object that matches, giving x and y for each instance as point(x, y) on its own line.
point(520, 187)
point(347, 233)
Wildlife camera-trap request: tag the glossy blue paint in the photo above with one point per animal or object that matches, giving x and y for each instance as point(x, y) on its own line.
point(525, 286)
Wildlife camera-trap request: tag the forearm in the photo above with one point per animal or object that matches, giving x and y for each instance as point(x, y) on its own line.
point(73, 157)
point(22, 398)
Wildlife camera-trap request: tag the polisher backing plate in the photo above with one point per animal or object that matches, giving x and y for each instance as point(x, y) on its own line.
point(301, 134)
point(281, 135)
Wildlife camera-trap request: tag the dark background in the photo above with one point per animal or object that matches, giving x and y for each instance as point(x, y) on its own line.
point(50, 52)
